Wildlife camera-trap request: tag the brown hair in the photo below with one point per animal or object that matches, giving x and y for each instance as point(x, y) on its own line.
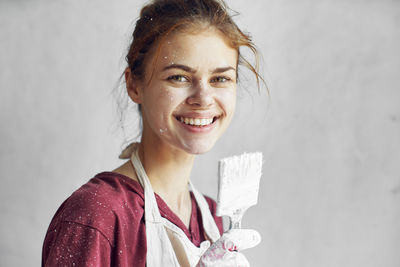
point(161, 17)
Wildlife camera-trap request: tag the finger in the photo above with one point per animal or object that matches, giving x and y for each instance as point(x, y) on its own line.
point(239, 239)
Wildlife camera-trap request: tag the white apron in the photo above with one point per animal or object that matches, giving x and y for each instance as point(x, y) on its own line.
point(163, 236)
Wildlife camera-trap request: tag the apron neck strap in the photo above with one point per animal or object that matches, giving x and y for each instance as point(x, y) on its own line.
point(151, 212)
point(209, 224)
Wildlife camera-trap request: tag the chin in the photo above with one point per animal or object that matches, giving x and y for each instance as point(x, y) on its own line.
point(197, 149)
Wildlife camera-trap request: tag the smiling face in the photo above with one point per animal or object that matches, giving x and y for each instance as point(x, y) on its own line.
point(188, 96)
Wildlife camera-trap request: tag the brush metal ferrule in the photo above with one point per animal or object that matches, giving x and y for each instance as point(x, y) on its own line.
point(236, 219)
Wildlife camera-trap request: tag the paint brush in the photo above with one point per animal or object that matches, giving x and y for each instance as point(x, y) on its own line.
point(238, 185)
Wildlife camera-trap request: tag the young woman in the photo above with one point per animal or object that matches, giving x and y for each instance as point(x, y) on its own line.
point(182, 72)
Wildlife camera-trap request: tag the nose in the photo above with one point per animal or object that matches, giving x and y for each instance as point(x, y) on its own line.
point(202, 95)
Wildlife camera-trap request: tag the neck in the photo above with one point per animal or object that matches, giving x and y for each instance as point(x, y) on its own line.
point(168, 170)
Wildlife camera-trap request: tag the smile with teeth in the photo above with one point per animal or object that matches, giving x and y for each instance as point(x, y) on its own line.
point(196, 121)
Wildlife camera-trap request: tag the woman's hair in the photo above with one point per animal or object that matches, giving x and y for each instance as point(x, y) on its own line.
point(160, 18)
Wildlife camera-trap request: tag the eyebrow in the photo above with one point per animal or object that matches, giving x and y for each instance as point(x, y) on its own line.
point(220, 70)
point(191, 70)
point(179, 66)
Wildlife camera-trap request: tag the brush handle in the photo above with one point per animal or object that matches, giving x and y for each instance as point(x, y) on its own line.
point(236, 219)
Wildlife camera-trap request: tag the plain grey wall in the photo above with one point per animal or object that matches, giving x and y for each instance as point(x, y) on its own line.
point(330, 131)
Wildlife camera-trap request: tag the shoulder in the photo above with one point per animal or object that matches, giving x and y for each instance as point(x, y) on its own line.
point(103, 203)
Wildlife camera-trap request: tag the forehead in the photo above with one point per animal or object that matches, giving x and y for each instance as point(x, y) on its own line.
point(206, 49)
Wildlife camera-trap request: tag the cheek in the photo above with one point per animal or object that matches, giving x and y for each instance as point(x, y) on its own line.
point(166, 96)
point(228, 101)
point(161, 104)
point(169, 99)
point(154, 106)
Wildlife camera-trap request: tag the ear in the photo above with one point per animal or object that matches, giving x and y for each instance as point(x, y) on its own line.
point(133, 86)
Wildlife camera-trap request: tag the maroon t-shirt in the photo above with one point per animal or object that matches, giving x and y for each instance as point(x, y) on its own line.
point(102, 224)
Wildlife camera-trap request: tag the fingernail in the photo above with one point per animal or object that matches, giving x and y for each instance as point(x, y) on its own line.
point(228, 244)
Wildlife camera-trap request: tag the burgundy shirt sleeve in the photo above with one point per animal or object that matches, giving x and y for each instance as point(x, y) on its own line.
point(78, 245)
point(102, 224)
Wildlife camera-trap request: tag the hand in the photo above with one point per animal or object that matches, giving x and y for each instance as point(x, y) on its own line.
point(224, 252)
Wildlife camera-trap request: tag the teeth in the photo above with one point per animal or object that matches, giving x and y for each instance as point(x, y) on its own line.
point(196, 122)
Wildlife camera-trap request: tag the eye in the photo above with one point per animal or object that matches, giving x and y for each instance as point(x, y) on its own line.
point(220, 79)
point(178, 78)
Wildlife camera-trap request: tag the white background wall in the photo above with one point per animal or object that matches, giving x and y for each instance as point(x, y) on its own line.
point(330, 131)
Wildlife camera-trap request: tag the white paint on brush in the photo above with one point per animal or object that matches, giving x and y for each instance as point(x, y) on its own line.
point(238, 185)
